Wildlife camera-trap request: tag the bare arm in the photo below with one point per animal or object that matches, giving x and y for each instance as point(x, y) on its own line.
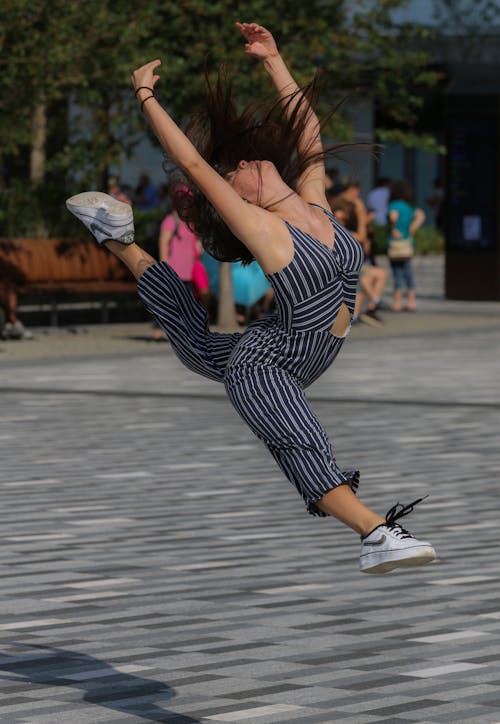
point(164, 244)
point(393, 217)
point(254, 226)
point(417, 221)
point(261, 45)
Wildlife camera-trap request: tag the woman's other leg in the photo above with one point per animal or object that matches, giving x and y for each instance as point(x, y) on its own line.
point(275, 408)
point(184, 320)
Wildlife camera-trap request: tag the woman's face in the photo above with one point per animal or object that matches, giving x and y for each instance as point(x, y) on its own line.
point(252, 179)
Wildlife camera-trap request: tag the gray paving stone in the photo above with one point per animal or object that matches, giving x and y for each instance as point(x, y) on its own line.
point(149, 573)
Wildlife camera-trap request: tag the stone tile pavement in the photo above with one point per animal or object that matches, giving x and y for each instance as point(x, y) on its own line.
point(157, 567)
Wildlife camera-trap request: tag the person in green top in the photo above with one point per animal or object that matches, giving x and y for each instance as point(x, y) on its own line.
point(403, 221)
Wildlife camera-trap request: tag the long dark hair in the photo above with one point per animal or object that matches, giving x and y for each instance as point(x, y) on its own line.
point(263, 131)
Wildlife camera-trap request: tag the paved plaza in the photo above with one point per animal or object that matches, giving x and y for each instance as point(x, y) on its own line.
point(156, 565)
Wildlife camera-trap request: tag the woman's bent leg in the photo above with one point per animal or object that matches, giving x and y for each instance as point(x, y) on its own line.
point(275, 408)
point(176, 310)
point(185, 322)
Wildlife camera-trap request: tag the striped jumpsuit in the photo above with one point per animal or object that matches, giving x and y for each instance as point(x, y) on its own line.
point(266, 368)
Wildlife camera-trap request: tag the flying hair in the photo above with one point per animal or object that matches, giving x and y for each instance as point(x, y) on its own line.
point(263, 131)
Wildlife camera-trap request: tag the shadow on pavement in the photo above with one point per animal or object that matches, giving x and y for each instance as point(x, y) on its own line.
point(99, 682)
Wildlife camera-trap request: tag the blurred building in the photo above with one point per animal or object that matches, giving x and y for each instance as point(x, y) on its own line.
point(463, 113)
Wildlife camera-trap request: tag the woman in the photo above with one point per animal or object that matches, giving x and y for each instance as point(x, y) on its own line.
point(372, 278)
point(179, 247)
point(245, 209)
point(403, 222)
point(11, 326)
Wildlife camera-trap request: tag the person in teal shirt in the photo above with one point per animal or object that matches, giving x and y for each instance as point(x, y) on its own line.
point(403, 221)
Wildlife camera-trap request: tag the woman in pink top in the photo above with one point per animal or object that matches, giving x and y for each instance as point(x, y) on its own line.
point(177, 246)
point(181, 249)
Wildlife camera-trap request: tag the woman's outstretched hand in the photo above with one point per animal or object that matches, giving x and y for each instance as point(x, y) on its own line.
point(260, 42)
point(145, 76)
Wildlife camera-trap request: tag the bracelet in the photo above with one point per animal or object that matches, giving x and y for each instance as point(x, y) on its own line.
point(142, 87)
point(146, 99)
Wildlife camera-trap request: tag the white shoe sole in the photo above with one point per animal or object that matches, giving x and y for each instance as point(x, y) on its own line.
point(105, 217)
point(95, 200)
point(397, 559)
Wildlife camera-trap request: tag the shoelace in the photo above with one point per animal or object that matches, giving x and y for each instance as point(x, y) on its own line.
point(399, 511)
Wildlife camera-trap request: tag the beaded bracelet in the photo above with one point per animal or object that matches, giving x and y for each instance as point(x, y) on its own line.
point(146, 99)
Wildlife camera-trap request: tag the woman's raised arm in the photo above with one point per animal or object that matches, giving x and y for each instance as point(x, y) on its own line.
point(261, 45)
point(245, 220)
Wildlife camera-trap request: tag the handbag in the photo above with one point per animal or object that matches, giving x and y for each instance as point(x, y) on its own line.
point(400, 249)
point(200, 277)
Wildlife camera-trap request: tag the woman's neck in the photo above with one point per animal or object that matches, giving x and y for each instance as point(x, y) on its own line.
point(290, 207)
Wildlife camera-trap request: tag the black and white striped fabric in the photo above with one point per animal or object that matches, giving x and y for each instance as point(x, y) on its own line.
point(266, 368)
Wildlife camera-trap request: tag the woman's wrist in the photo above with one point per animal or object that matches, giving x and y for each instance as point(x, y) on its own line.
point(271, 61)
point(143, 92)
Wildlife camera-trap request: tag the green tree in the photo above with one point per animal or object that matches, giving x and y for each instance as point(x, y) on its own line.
point(60, 54)
point(57, 55)
point(356, 43)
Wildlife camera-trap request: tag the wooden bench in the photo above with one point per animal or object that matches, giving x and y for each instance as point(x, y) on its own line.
point(56, 271)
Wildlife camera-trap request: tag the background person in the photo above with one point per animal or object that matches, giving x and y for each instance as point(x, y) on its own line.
point(378, 200)
point(371, 282)
point(115, 190)
point(403, 221)
point(351, 191)
point(146, 195)
point(180, 249)
point(333, 184)
point(12, 327)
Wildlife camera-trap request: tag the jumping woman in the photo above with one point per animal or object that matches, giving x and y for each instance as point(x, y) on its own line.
point(253, 187)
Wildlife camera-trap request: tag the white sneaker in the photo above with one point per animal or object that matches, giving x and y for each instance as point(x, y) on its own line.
point(16, 330)
point(105, 217)
point(390, 546)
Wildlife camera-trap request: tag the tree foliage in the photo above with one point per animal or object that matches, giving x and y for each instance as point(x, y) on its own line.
point(361, 52)
point(70, 52)
point(66, 54)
